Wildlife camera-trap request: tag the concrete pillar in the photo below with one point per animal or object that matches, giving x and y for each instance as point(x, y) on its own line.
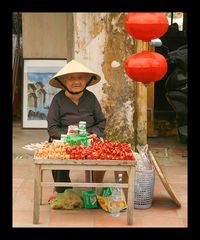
point(101, 43)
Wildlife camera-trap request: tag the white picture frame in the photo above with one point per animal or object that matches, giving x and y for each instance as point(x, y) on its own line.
point(37, 92)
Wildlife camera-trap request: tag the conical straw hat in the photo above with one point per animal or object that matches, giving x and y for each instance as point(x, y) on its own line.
point(73, 67)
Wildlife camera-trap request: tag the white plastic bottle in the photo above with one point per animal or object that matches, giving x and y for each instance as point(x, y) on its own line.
point(116, 197)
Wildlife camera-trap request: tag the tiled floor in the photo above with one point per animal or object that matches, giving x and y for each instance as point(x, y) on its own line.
point(171, 155)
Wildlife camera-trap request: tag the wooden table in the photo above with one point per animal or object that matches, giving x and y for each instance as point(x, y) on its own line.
point(86, 165)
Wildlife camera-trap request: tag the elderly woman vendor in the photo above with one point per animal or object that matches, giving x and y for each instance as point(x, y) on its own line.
point(72, 104)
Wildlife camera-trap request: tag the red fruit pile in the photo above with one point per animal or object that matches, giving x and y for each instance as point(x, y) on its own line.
point(108, 150)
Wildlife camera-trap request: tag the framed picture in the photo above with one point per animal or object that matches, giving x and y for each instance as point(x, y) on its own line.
point(37, 92)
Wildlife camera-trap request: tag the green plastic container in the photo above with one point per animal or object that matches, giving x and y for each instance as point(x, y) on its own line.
point(77, 140)
point(89, 199)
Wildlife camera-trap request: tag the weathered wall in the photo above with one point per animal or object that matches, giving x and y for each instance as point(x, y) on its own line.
point(101, 42)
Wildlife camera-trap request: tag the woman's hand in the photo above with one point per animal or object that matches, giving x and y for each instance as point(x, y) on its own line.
point(92, 136)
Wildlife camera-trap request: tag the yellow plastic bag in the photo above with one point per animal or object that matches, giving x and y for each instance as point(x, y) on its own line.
point(105, 202)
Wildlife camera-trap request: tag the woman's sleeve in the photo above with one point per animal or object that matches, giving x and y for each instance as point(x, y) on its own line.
point(100, 121)
point(53, 119)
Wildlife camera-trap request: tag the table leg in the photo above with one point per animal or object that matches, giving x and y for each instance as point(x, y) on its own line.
point(88, 176)
point(42, 172)
point(37, 183)
point(130, 196)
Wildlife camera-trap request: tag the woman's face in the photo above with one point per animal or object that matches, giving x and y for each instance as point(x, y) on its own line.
point(76, 82)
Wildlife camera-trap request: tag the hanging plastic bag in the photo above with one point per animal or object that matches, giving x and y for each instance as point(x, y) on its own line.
point(143, 160)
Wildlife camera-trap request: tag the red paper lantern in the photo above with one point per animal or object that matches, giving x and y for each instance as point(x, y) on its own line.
point(146, 66)
point(146, 26)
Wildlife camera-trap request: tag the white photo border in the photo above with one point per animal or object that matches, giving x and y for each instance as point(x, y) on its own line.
point(37, 72)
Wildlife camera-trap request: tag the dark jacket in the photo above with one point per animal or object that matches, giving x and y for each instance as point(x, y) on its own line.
point(64, 112)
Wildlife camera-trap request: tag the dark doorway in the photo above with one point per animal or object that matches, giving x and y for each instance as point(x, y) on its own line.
point(175, 37)
point(17, 66)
